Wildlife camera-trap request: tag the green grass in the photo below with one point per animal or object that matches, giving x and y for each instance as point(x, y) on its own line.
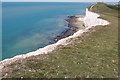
point(110, 10)
point(95, 57)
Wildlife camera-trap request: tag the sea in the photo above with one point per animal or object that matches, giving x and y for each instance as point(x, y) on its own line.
point(28, 26)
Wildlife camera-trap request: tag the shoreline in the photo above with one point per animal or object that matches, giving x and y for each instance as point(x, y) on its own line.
point(52, 47)
point(73, 27)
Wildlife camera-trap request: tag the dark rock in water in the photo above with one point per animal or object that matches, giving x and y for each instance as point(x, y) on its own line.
point(66, 33)
point(73, 26)
point(71, 20)
point(70, 30)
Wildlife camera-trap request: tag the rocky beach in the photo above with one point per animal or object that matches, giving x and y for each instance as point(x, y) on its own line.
point(74, 24)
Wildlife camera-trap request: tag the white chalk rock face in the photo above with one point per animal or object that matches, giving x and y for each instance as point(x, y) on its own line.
point(92, 19)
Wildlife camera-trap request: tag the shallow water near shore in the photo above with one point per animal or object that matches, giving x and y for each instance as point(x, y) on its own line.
point(30, 26)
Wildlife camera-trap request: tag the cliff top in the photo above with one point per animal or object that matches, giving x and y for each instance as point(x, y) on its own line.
point(103, 8)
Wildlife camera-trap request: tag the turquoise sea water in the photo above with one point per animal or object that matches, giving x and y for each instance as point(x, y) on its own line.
point(29, 26)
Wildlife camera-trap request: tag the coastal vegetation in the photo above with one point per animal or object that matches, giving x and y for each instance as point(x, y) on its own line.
point(93, 55)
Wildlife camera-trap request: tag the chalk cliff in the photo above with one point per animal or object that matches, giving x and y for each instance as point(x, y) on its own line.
point(92, 19)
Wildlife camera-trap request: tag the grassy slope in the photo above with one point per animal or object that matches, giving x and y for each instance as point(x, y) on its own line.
point(95, 57)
